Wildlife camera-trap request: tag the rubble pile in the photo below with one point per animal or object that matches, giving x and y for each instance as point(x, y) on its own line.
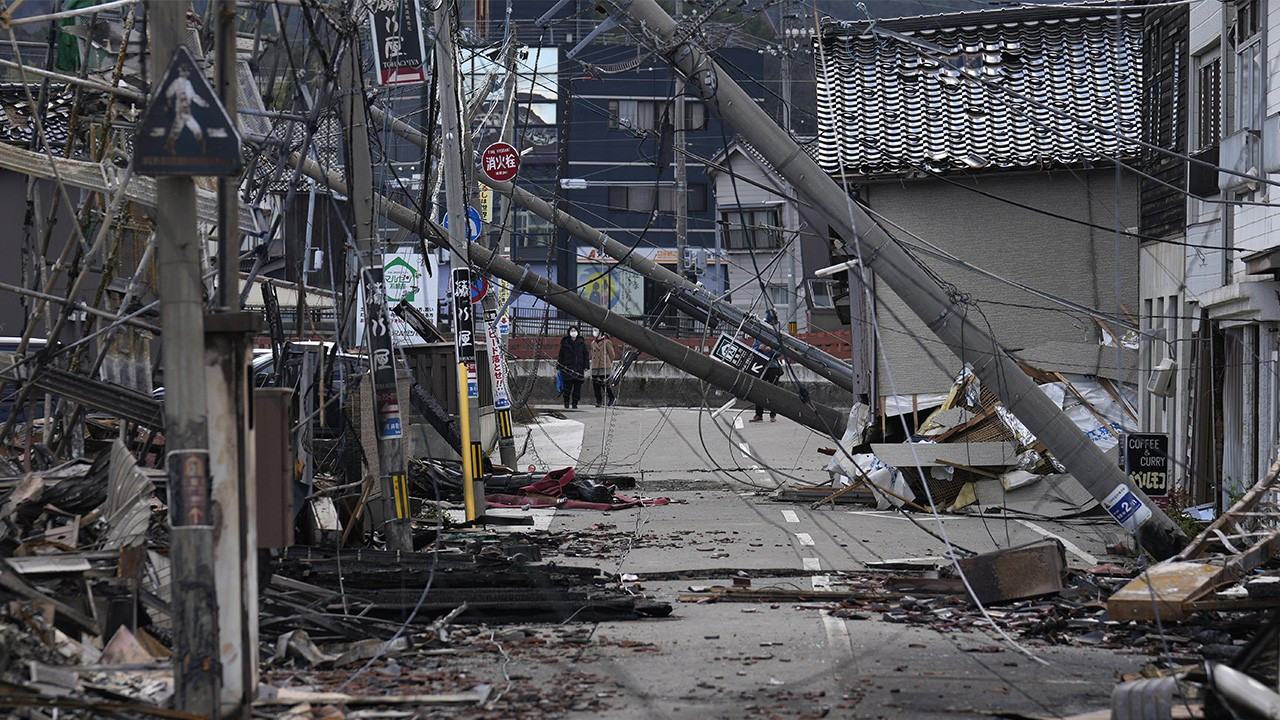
point(971, 455)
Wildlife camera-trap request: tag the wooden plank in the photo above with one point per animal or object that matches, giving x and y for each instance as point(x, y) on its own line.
point(1164, 592)
point(978, 454)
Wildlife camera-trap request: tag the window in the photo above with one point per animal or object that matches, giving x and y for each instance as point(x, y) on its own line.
point(531, 231)
point(822, 293)
point(779, 296)
point(640, 198)
point(695, 115)
point(648, 114)
point(752, 229)
point(635, 198)
point(1208, 100)
point(1245, 152)
point(631, 114)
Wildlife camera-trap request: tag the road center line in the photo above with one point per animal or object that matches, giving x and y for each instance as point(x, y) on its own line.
point(1070, 546)
point(790, 516)
point(812, 564)
point(805, 539)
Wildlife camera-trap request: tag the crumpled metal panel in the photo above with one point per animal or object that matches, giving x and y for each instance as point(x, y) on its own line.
point(886, 106)
point(1145, 699)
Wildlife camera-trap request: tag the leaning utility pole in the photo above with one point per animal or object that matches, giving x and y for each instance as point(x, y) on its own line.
point(382, 375)
point(196, 670)
point(229, 334)
point(941, 313)
point(456, 210)
point(503, 209)
point(694, 299)
point(680, 198)
point(738, 384)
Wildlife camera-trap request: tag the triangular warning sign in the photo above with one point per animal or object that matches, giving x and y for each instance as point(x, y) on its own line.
point(186, 130)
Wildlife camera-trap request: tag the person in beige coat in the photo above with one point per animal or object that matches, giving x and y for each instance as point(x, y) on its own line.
point(602, 356)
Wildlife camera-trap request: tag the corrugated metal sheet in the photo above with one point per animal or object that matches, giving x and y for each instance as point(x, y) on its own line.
point(887, 106)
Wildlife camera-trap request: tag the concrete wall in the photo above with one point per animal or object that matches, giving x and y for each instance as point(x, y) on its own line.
point(1063, 258)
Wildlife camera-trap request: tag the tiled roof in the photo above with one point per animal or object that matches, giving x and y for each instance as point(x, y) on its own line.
point(887, 106)
point(16, 125)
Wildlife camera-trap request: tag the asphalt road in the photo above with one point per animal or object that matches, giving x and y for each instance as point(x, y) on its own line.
point(788, 659)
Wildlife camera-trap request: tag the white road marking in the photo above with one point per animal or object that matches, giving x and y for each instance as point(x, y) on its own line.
point(821, 582)
point(558, 443)
point(805, 539)
point(839, 646)
point(790, 516)
point(812, 564)
point(737, 423)
point(1070, 546)
point(745, 448)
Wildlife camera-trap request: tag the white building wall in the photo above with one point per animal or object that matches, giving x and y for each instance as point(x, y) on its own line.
point(1165, 310)
point(744, 288)
point(1205, 24)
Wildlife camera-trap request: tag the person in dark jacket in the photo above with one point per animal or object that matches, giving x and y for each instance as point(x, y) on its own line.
point(772, 372)
point(572, 364)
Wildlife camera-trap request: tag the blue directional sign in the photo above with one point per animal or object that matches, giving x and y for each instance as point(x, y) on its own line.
point(474, 224)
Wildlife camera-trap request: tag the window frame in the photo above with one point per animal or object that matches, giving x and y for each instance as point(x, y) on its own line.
point(758, 219)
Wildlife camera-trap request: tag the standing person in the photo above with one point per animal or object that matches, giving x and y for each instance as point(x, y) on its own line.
point(572, 364)
point(772, 372)
point(602, 357)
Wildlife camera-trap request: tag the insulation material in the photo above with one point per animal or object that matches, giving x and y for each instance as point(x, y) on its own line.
point(882, 476)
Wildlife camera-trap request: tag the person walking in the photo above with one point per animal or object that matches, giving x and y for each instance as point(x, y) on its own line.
point(602, 357)
point(772, 372)
point(572, 364)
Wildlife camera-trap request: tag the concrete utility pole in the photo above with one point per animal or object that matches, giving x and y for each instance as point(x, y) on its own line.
point(502, 209)
point(391, 462)
point(227, 340)
point(810, 414)
point(680, 198)
point(700, 300)
point(197, 675)
point(455, 198)
point(943, 314)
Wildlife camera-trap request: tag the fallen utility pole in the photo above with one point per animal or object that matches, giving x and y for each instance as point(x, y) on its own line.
point(382, 374)
point(824, 419)
point(196, 668)
point(942, 314)
point(794, 349)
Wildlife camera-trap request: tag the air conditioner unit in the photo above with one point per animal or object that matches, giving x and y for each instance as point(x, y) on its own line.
point(1161, 381)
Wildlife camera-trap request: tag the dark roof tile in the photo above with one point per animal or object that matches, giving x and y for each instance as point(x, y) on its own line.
point(953, 109)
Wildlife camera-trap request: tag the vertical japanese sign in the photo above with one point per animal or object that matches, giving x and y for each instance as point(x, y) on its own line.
point(190, 488)
point(464, 323)
point(381, 363)
point(501, 398)
point(398, 50)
